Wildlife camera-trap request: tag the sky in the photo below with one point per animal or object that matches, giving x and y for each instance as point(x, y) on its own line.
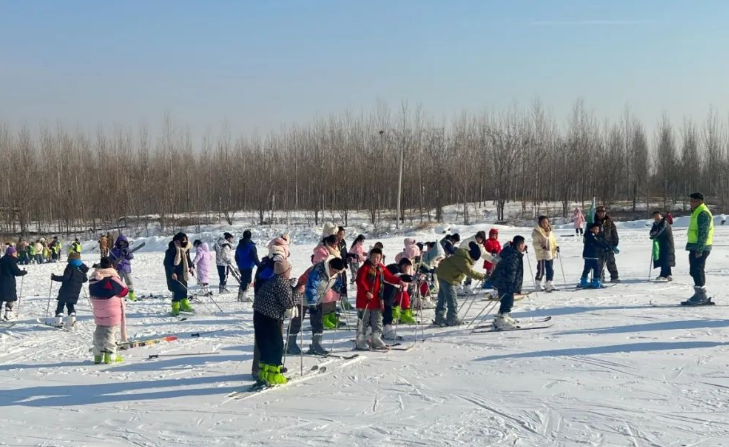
point(255, 66)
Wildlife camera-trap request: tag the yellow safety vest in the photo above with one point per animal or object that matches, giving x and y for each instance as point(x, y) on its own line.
point(693, 230)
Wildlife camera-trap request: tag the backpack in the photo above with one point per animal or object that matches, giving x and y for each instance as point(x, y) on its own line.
point(107, 288)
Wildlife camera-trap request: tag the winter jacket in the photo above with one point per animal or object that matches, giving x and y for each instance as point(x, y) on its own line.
point(8, 271)
point(75, 247)
point(71, 281)
point(56, 247)
point(372, 279)
point(391, 294)
point(121, 255)
point(433, 256)
point(246, 255)
point(202, 263)
point(223, 252)
point(277, 247)
point(107, 291)
point(103, 243)
point(264, 272)
point(342, 247)
point(176, 266)
point(358, 253)
point(448, 247)
point(274, 298)
point(701, 230)
point(411, 251)
point(578, 218)
point(454, 270)
point(662, 233)
point(493, 247)
point(509, 272)
point(322, 252)
point(608, 230)
point(544, 243)
point(38, 248)
point(595, 246)
point(319, 283)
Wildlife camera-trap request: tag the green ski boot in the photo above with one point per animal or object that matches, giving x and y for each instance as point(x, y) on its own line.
point(131, 296)
point(185, 306)
point(112, 358)
point(406, 317)
point(98, 359)
point(275, 377)
point(175, 308)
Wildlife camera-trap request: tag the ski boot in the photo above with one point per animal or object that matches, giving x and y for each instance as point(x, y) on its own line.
point(454, 322)
point(70, 320)
point(406, 317)
point(241, 296)
point(329, 321)
point(669, 278)
point(262, 377)
point(275, 377)
point(110, 358)
point(596, 284)
point(58, 320)
point(9, 315)
point(661, 279)
point(388, 333)
point(504, 322)
point(583, 283)
point(98, 359)
point(377, 343)
point(131, 296)
point(615, 280)
point(549, 287)
point(395, 313)
point(699, 298)
point(175, 308)
point(538, 286)
point(316, 348)
point(185, 306)
point(293, 347)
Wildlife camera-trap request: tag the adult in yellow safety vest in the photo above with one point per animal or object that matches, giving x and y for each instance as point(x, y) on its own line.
point(700, 238)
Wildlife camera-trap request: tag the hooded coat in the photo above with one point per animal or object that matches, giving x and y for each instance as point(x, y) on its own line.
point(72, 280)
point(202, 262)
point(246, 255)
point(177, 266)
point(319, 284)
point(454, 269)
point(121, 256)
point(357, 252)
point(544, 243)
point(411, 251)
point(609, 230)
point(578, 218)
point(372, 279)
point(223, 252)
point(8, 271)
point(107, 291)
point(509, 272)
point(663, 234)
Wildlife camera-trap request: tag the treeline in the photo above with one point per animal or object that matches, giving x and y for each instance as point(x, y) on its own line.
point(351, 162)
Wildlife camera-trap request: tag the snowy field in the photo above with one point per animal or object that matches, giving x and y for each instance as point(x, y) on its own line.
point(624, 366)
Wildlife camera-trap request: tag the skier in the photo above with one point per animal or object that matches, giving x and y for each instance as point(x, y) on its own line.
point(103, 246)
point(223, 259)
point(371, 279)
point(356, 256)
point(411, 251)
point(507, 278)
point(479, 238)
point(449, 243)
point(397, 300)
point(328, 247)
point(246, 257)
point(23, 252)
point(593, 253)
point(664, 254)
point(342, 247)
point(579, 220)
point(56, 249)
point(700, 239)
point(39, 252)
point(75, 247)
point(177, 269)
point(71, 283)
point(201, 263)
point(107, 290)
point(272, 301)
point(545, 249)
point(320, 280)
point(31, 253)
point(122, 259)
point(610, 234)
point(8, 271)
point(280, 246)
point(492, 247)
point(451, 273)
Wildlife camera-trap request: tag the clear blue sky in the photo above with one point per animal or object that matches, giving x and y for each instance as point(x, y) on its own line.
point(259, 64)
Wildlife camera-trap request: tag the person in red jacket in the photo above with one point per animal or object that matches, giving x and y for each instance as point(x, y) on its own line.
point(371, 279)
point(493, 247)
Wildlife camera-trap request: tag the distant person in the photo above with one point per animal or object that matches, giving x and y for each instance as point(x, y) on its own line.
point(593, 253)
point(579, 220)
point(610, 234)
point(246, 258)
point(72, 280)
point(664, 253)
point(223, 260)
point(700, 240)
point(107, 290)
point(8, 290)
point(545, 249)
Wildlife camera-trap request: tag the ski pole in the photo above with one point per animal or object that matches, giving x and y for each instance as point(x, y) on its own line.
point(468, 309)
point(20, 295)
point(187, 293)
point(286, 344)
point(650, 267)
point(397, 322)
point(493, 306)
point(209, 296)
point(561, 267)
point(531, 272)
point(50, 297)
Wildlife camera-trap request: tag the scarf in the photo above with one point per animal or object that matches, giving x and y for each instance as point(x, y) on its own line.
point(181, 258)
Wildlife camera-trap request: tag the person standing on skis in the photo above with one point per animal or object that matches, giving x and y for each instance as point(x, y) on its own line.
point(593, 253)
point(246, 257)
point(71, 283)
point(507, 279)
point(700, 240)
point(223, 259)
point(121, 257)
point(664, 253)
point(545, 249)
point(451, 272)
point(178, 266)
point(8, 291)
point(321, 278)
point(610, 234)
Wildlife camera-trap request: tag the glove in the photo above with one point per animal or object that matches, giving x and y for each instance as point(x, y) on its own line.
point(557, 249)
point(289, 313)
point(616, 250)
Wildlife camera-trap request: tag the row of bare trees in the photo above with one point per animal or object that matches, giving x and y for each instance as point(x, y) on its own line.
point(350, 162)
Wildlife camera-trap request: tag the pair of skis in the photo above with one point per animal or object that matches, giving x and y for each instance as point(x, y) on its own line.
point(524, 325)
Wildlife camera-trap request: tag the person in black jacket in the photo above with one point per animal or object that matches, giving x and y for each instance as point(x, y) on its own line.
point(593, 253)
point(507, 280)
point(8, 271)
point(178, 266)
point(71, 283)
point(662, 236)
point(391, 296)
point(342, 246)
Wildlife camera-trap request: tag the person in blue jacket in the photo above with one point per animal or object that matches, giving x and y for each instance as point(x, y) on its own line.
point(246, 257)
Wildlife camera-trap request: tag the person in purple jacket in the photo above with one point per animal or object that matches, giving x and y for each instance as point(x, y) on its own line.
point(121, 257)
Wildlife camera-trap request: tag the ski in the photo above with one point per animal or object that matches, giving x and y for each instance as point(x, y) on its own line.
point(7, 324)
point(602, 286)
point(708, 302)
point(137, 343)
point(49, 324)
point(184, 354)
point(527, 321)
point(518, 328)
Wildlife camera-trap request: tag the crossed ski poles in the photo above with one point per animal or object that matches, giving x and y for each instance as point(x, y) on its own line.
point(209, 295)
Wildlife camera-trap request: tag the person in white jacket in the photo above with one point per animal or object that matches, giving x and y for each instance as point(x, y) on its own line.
point(546, 249)
point(224, 259)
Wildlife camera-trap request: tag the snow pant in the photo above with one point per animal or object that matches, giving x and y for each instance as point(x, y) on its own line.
point(400, 300)
point(697, 266)
point(268, 339)
point(8, 305)
point(246, 277)
point(354, 268)
point(105, 339)
point(593, 265)
point(543, 266)
point(24, 259)
point(579, 231)
point(223, 275)
point(179, 290)
point(69, 306)
point(316, 319)
point(127, 278)
point(257, 354)
point(665, 265)
point(104, 252)
point(447, 296)
point(506, 303)
point(54, 256)
point(608, 261)
point(370, 318)
point(39, 259)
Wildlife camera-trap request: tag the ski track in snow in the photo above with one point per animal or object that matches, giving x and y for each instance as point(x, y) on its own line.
point(624, 366)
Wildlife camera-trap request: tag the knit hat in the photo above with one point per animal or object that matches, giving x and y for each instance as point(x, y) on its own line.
point(474, 251)
point(281, 267)
point(494, 231)
point(10, 250)
point(74, 255)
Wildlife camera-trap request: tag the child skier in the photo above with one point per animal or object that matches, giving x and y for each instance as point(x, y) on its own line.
point(177, 269)
point(451, 273)
point(546, 249)
point(356, 256)
point(371, 281)
point(8, 271)
point(223, 259)
point(320, 279)
point(107, 290)
point(122, 259)
point(507, 278)
point(397, 300)
point(593, 253)
point(71, 283)
point(246, 257)
point(202, 261)
point(272, 301)
point(493, 248)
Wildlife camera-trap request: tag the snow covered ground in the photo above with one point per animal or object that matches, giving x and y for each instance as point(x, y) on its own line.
point(624, 366)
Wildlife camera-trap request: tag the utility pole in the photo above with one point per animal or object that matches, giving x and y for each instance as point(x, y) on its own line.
point(399, 186)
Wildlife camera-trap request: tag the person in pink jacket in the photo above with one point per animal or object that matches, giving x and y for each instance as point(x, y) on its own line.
point(411, 250)
point(579, 219)
point(201, 263)
point(107, 290)
point(356, 256)
point(322, 252)
point(279, 246)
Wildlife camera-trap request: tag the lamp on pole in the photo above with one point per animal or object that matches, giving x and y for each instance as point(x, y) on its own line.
point(399, 180)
